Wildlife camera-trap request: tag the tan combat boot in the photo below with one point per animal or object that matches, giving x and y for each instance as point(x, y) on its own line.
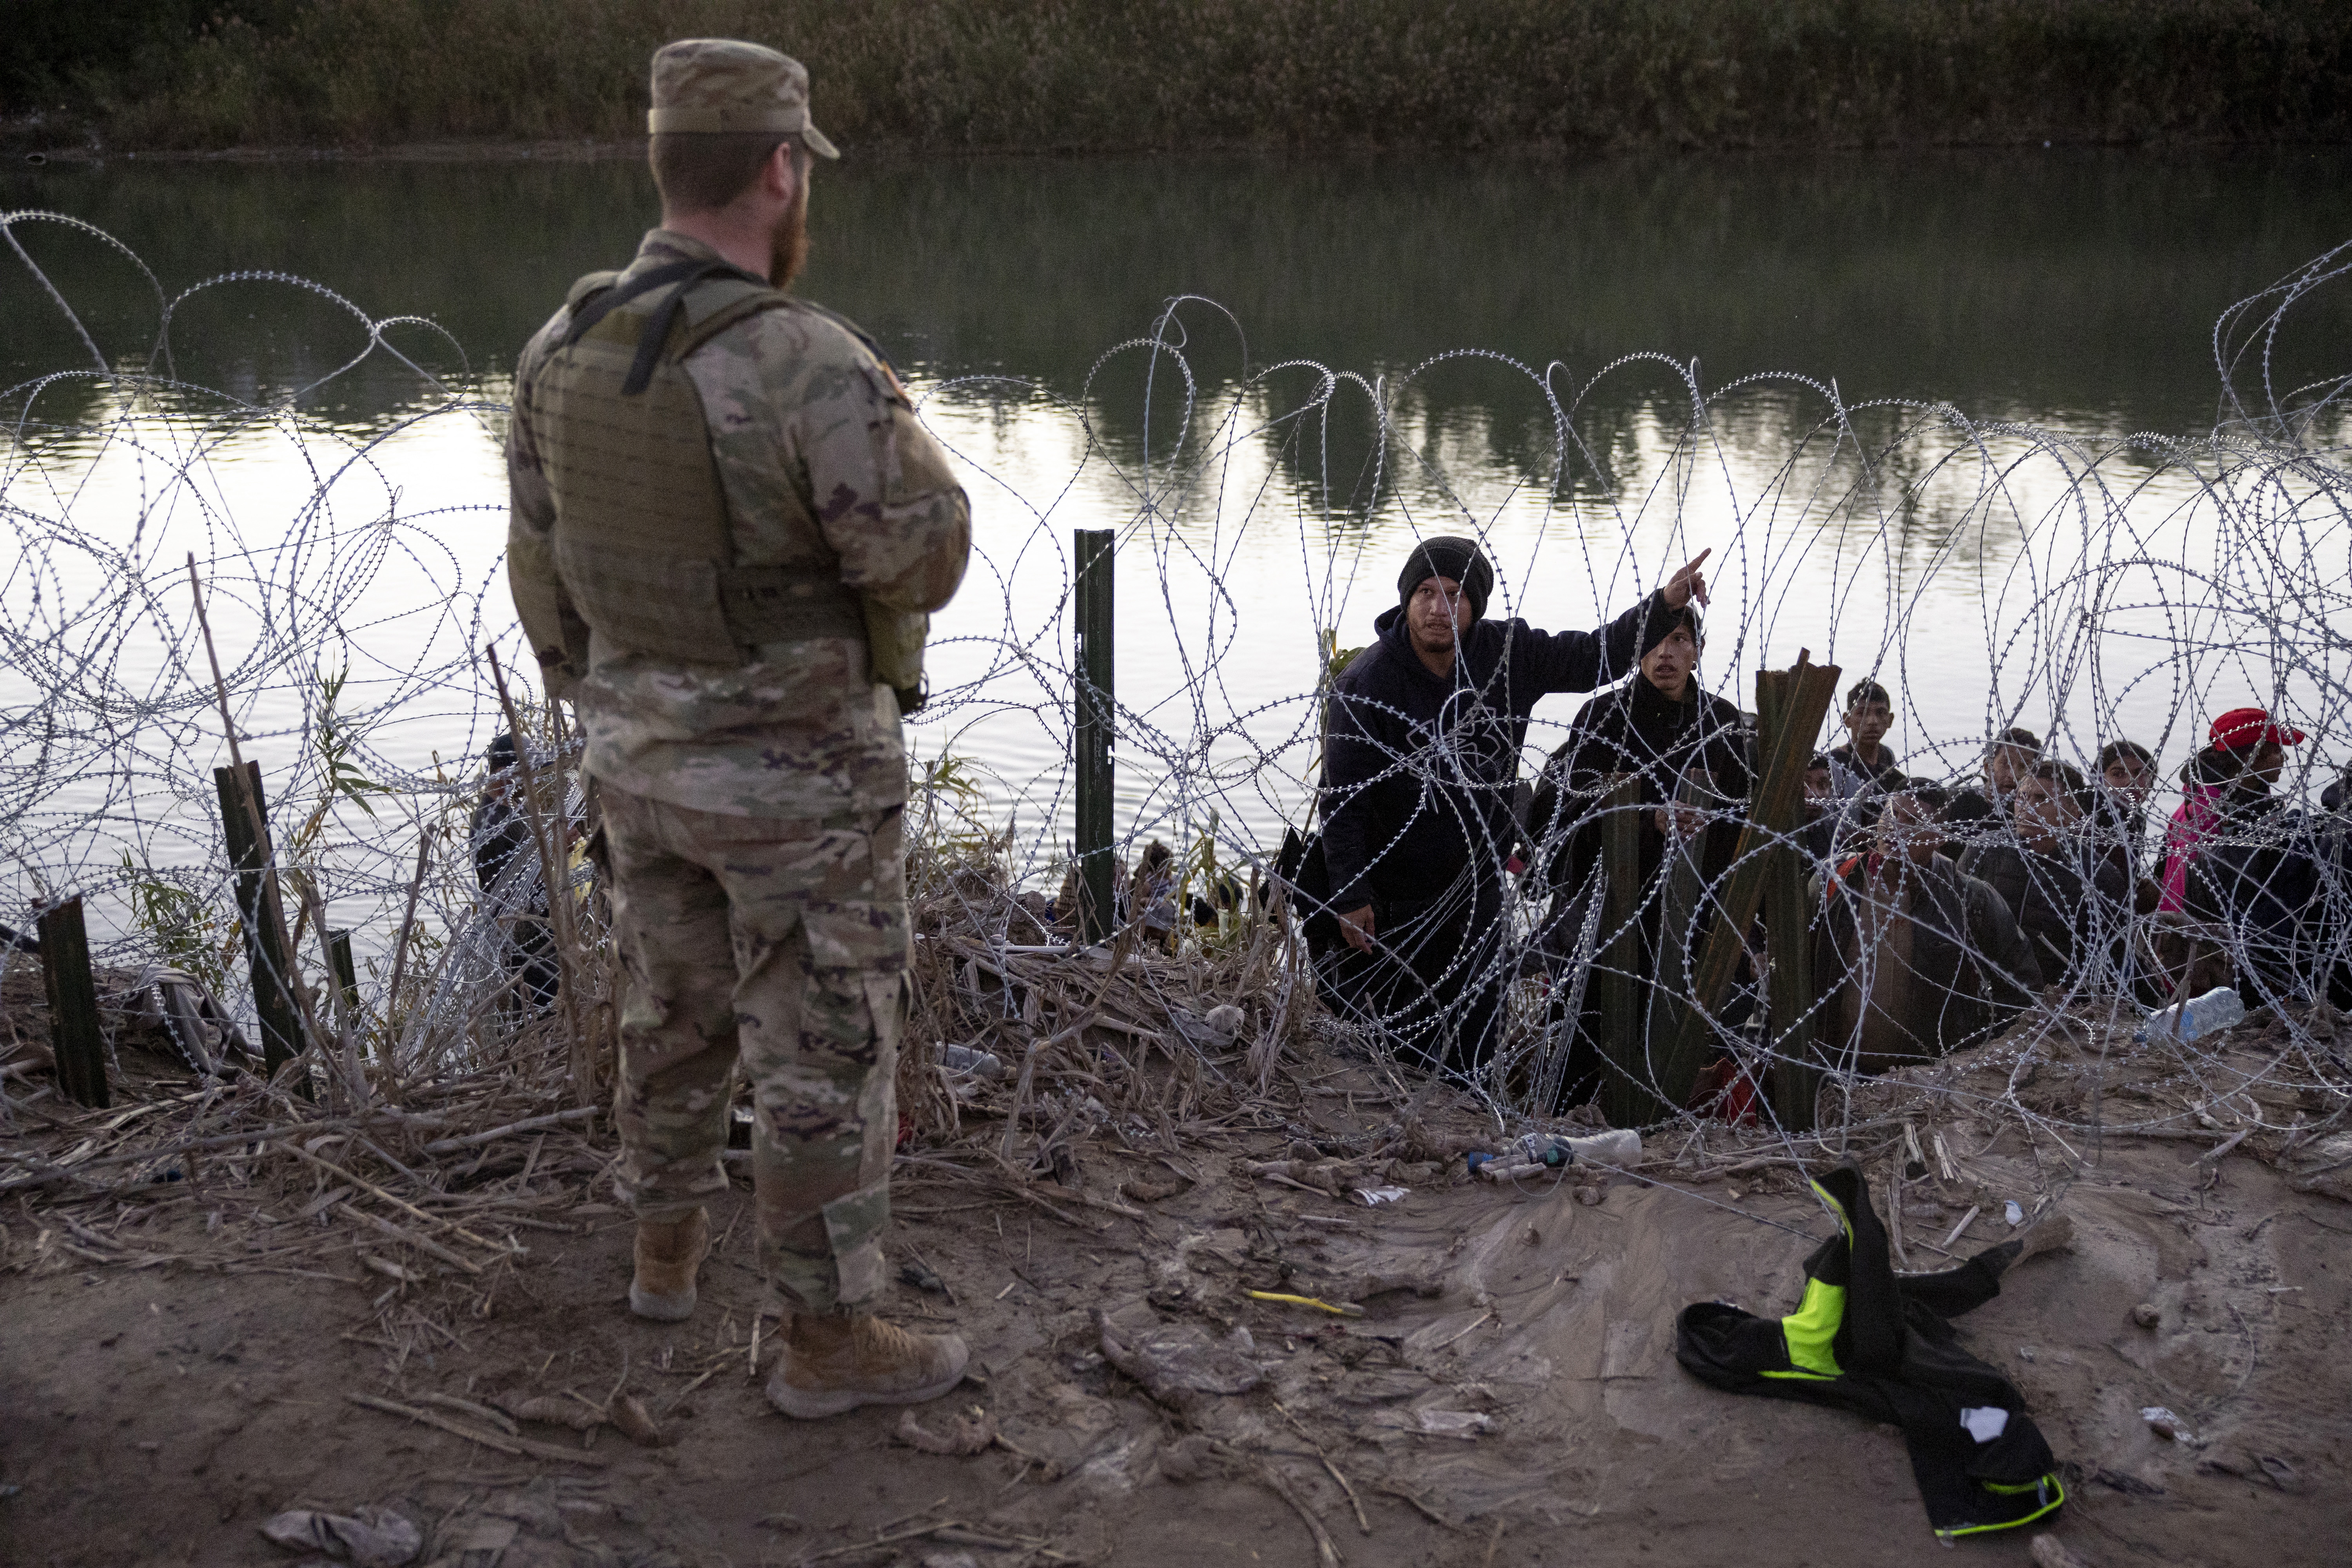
point(668, 1254)
point(838, 1362)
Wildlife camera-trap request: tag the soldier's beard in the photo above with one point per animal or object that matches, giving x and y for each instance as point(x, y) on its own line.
point(789, 251)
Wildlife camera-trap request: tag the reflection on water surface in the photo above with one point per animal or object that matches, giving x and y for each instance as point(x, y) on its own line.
point(1260, 500)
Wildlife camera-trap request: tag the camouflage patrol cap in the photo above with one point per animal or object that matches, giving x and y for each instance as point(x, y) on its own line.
point(726, 85)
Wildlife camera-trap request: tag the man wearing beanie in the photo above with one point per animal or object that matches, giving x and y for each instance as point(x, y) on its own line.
point(1419, 769)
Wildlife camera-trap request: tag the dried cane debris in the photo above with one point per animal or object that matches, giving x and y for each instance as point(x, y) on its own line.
point(968, 1433)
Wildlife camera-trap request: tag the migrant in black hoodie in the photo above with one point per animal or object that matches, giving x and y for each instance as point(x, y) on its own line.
point(1419, 770)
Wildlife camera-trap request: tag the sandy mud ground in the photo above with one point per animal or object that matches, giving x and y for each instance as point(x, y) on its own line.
point(175, 1371)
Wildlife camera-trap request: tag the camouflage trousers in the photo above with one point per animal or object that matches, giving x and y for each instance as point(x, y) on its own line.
point(782, 944)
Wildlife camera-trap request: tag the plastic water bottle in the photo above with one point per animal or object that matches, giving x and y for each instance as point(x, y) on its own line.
point(2193, 1019)
point(965, 1061)
point(1620, 1146)
point(1542, 1149)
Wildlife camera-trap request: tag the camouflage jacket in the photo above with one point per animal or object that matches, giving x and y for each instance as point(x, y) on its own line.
point(823, 460)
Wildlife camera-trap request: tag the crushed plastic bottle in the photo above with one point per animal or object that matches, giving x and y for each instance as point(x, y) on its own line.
point(2193, 1019)
point(965, 1059)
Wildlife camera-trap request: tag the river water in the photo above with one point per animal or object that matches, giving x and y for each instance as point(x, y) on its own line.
point(1890, 394)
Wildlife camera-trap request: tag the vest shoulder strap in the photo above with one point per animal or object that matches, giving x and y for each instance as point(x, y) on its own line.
point(592, 283)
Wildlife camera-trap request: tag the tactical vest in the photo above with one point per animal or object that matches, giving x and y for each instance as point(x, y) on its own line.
point(641, 538)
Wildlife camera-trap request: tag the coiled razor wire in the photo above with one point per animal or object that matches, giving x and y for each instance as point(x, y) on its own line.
point(2126, 588)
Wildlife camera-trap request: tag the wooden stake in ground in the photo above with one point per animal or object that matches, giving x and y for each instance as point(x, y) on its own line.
point(551, 877)
point(268, 917)
point(73, 1005)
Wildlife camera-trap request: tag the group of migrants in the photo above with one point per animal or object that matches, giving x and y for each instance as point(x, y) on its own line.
point(727, 527)
point(1936, 910)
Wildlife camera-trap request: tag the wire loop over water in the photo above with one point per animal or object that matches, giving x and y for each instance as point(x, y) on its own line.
point(2121, 589)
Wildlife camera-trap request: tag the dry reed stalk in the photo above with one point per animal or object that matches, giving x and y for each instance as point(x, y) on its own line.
point(559, 906)
point(387, 1057)
point(273, 901)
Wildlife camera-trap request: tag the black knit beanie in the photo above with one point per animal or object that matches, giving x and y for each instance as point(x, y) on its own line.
point(1446, 556)
point(1659, 624)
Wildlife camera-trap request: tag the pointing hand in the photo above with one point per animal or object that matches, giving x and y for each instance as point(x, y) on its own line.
point(1689, 583)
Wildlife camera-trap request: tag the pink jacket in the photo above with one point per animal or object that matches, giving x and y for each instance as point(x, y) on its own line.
point(2194, 823)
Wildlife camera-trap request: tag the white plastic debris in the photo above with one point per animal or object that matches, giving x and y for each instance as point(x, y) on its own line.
point(1466, 1423)
point(1985, 1421)
point(366, 1537)
point(2193, 1019)
point(2165, 1424)
point(968, 1061)
point(1374, 1197)
point(2015, 1214)
point(1619, 1146)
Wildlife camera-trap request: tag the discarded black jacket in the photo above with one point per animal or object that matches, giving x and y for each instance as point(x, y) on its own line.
point(1419, 771)
point(1882, 1347)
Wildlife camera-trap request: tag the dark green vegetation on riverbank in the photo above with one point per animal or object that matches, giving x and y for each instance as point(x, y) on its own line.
point(1111, 73)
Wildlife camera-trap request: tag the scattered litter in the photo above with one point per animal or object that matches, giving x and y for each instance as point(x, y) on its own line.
point(1217, 1030)
point(1620, 1146)
point(2014, 1214)
point(1537, 1153)
point(966, 1435)
point(1374, 1197)
point(1338, 1308)
point(2165, 1424)
point(963, 1062)
point(1465, 1424)
point(1172, 1361)
point(1985, 1421)
point(2199, 1015)
point(365, 1537)
point(636, 1422)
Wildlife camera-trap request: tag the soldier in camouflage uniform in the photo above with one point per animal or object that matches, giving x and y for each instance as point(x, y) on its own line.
point(727, 527)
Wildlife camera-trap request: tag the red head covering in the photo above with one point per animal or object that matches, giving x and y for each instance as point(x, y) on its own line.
point(2243, 728)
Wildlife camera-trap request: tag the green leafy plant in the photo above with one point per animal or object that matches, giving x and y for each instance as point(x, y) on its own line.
point(192, 935)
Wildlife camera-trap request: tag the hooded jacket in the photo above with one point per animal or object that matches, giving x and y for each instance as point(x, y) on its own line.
point(2259, 872)
point(1960, 971)
point(1419, 770)
point(2069, 905)
point(1638, 730)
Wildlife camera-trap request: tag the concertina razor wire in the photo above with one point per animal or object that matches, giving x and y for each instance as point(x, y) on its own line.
point(2126, 588)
